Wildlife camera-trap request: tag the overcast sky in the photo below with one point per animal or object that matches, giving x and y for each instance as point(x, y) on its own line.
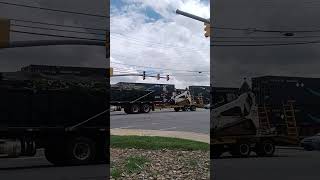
point(149, 36)
point(88, 56)
point(232, 64)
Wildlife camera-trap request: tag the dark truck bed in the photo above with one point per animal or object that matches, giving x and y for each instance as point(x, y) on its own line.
point(49, 106)
point(55, 112)
point(139, 97)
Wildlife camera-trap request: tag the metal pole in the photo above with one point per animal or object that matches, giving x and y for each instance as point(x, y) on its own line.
point(193, 16)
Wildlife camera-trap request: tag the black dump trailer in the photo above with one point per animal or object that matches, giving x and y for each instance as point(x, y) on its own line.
point(201, 91)
point(304, 93)
point(66, 114)
point(139, 97)
point(223, 95)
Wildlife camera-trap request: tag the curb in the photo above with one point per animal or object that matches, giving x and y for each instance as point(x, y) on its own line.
point(175, 134)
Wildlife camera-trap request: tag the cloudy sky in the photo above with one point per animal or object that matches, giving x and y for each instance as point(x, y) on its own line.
point(149, 36)
point(88, 56)
point(231, 64)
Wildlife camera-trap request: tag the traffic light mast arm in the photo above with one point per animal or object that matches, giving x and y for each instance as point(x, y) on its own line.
point(193, 16)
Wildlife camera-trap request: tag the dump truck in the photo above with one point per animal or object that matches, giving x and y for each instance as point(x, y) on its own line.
point(256, 120)
point(137, 98)
point(59, 109)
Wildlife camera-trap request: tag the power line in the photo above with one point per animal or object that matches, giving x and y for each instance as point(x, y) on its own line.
point(158, 68)
point(265, 37)
point(275, 44)
point(156, 43)
point(54, 35)
point(55, 10)
point(54, 29)
point(264, 30)
point(59, 25)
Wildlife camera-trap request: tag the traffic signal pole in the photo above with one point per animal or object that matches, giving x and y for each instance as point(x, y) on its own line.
point(205, 21)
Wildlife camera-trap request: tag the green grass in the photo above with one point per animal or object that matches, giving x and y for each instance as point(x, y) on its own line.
point(157, 143)
point(135, 163)
point(116, 173)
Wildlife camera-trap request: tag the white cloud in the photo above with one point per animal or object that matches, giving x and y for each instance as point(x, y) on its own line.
point(171, 43)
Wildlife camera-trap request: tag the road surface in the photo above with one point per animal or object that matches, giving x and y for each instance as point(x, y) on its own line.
point(190, 121)
point(38, 167)
point(287, 164)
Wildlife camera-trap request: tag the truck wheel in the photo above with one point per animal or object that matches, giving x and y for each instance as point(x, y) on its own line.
point(216, 151)
point(135, 109)
point(265, 148)
point(81, 150)
point(176, 109)
point(55, 156)
point(127, 110)
point(193, 108)
point(31, 149)
point(145, 108)
point(241, 150)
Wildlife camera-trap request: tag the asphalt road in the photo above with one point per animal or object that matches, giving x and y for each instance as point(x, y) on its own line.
point(168, 120)
point(38, 167)
point(287, 164)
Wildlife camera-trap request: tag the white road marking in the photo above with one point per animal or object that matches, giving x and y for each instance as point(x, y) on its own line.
point(126, 127)
point(155, 123)
point(168, 128)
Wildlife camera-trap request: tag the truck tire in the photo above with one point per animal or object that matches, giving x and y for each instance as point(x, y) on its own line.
point(127, 110)
point(145, 108)
point(81, 150)
point(31, 149)
point(134, 109)
point(55, 156)
point(216, 151)
point(193, 108)
point(240, 150)
point(265, 148)
point(176, 109)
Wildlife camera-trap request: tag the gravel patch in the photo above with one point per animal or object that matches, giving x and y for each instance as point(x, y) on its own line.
point(159, 164)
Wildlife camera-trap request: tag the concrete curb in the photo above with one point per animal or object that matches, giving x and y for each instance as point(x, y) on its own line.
point(176, 134)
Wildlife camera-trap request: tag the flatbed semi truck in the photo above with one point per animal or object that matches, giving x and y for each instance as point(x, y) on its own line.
point(137, 98)
point(66, 115)
point(242, 126)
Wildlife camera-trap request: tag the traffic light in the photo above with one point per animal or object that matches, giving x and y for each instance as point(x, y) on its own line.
point(207, 30)
point(4, 33)
point(158, 76)
point(144, 75)
point(168, 78)
point(111, 71)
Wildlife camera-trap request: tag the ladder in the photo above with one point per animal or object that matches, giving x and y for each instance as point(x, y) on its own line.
point(263, 118)
point(290, 120)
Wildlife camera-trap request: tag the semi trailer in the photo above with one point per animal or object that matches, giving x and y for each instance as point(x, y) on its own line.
point(274, 111)
point(64, 113)
point(137, 98)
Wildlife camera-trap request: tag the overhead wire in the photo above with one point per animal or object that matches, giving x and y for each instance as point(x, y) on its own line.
point(55, 35)
point(61, 30)
point(55, 10)
point(59, 25)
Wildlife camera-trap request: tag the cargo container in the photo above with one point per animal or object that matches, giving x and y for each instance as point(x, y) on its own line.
point(66, 114)
point(303, 92)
